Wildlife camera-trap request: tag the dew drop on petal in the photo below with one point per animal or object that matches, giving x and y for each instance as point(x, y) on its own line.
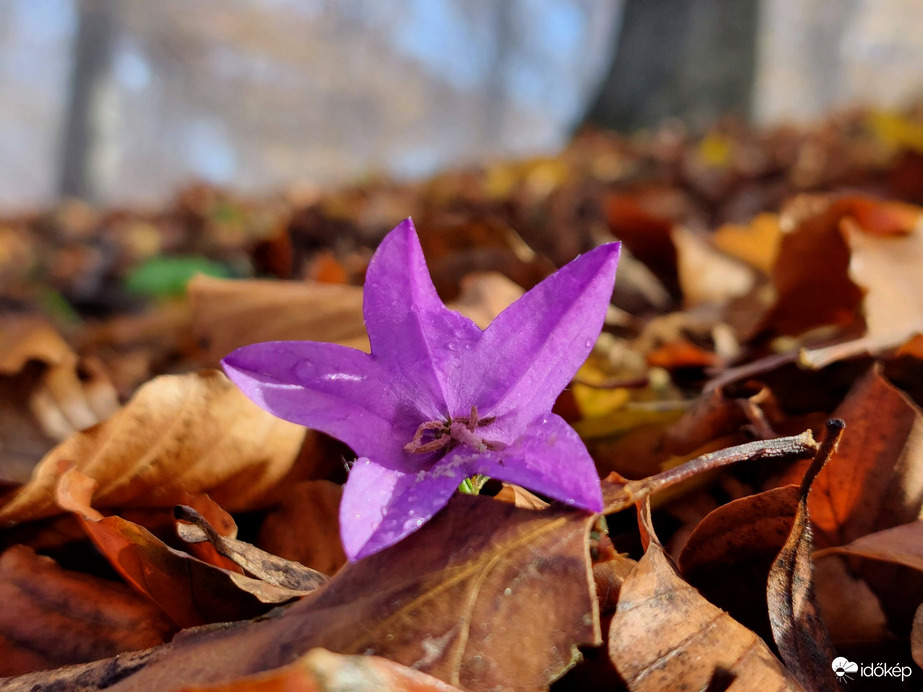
point(589, 343)
point(452, 346)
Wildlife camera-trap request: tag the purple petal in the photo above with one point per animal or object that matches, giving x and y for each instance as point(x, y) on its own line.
point(413, 335)
point(550, 459)
point(533, 348)
point(381, 506)
point(337, 390)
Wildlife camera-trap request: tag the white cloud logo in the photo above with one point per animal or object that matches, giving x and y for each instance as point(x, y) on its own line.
point(842, 667)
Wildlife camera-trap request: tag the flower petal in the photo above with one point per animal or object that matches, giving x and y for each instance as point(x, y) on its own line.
point(533, 348)
point(414, 336)
point(381, 506)
point(337, 390)
point(551, 459)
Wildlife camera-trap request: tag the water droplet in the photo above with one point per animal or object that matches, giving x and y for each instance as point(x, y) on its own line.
point(452, 346)
point(467, 347)
point(389, 636)
point(507, 592)
point(589, 343)
point(358, 516)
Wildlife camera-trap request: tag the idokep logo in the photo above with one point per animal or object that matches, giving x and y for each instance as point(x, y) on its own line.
point(845, 670)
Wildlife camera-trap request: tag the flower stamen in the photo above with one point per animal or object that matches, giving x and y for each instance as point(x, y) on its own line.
point(447, 434)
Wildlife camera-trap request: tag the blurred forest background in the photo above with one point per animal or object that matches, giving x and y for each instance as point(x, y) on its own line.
point(124, 101)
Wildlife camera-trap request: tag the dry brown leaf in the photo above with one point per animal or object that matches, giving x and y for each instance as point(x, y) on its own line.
point(192, 527)
point(304, 526)
point(320, 670)
point(851, 610)
point(729, 553)
point(228, 314)
point(756, 244)
point(875, 481)
point(901, 545)
point(916, 637)
point(797, 625)
point(484, 296)
point(706, 275)
point(484, 596)
point(665, 636)
point(53, 617)
point(46, 394)
point(179, 434)
point(189, 591)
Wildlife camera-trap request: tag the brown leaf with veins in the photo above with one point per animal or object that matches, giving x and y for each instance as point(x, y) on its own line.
point(484, 596)
point(190, 591)
point(179, 434)
point(320, 670)
point(902, 545)
point(797, 625)
point(53, 617)
point(666, 636)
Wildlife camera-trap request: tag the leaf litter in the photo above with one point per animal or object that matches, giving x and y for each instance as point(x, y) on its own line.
point(745, 315)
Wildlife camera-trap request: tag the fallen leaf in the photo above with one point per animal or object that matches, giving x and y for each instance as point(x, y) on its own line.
point(320, 670)
point(729, 553)
point(757, 244)
point(497, 597)
point(797, 625)
point(179, 434)
point(228, 314)
point(191, 592)
point(706, 275)
point(664, 635)
point(901, 545)
point(46, 394)
point(192, 527)
point(53, 617)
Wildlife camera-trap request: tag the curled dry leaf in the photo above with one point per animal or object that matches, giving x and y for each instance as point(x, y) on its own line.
point(304, 526)
point(189, 591)
point(53, 617)
point(497, 597)
point(729, 553)
point(46, 394)
point(320, 670)
point(664, 635)
point(797, 625)
point(192, 527)
point(179, 434)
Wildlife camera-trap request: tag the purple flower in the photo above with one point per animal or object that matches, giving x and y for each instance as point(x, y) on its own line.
point(439, 400)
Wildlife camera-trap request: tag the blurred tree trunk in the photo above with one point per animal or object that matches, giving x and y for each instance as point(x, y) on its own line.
point(693, 60)
point(92, 50)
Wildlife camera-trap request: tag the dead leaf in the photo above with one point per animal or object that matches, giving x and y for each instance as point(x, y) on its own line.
point(190, 591)
point(192, 527)
point(902, 545)
point(497, 597)
point(304, 526)
point(46, 394)
point(228, 314)
point(664, 635)
point(875, 481)
point(757, 244)
point(179, 434)
point(484, 296)
point(320, 670)
point(53, 617)
point(729, 553)
point(797, 625)
point(706, 275)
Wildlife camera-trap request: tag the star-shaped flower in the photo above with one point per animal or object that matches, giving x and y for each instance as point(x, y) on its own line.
point(439, 400)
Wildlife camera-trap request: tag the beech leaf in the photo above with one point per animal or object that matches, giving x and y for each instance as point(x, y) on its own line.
point(664, 635)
